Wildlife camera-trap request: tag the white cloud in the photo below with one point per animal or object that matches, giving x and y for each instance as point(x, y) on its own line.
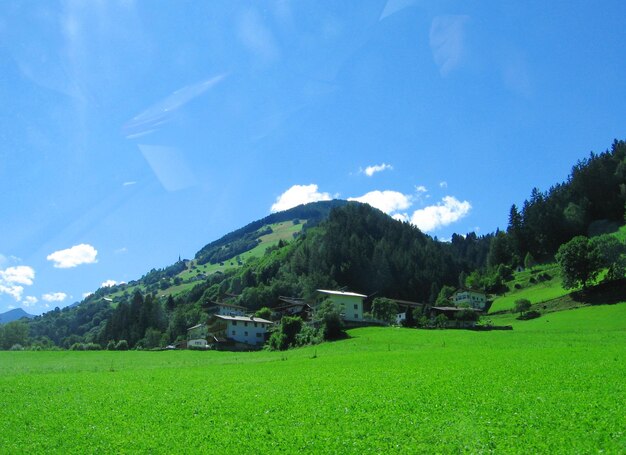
point(54, 297)
point(21, 274)
point(449, 210)
point(87, 294)
point(121, 250)
point(74, 256)
point(29, 301)
point(299, 194)
point(387, 201)
point(129, 183)
point(371, 170)
point(447, 42)
point(443, 184)
point(12, 290)
point(108, 283)
point(421, 189)
point(12, 279)
point(401, 217)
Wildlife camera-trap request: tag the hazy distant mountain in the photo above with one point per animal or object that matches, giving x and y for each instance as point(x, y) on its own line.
point(14, 315)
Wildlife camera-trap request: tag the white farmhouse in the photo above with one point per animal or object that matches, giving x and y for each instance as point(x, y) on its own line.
point(242, 329)
point(227, 309)
point(470, 297)
point(197, 336)
point(349, 304)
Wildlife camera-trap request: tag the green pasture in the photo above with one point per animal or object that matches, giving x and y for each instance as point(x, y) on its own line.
point(280, 231)
point(537, 291)
point(552, 385)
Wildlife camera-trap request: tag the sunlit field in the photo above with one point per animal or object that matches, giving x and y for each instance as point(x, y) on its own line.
point(552, 385)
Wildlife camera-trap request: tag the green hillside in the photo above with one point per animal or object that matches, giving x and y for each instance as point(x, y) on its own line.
point(539, 284)
point(551, 385)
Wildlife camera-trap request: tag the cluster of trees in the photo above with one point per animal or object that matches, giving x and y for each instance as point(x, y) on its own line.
point(293, 332)
point(582, 259)
point(590, 202)
point(13, 335)
point(142, 321)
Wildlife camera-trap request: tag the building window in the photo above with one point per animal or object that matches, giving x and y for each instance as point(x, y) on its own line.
point(255, 324)
point(259, 334)
point(245, 324)
point(233, 333)
point(245, 333)
point(356, 316)
point(356, 307)
point(234, 322)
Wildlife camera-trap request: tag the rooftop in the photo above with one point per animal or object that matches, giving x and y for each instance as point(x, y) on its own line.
point(195, 326)
point(243, 319)
point(350, 294)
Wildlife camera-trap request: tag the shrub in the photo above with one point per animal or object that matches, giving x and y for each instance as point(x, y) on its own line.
point(440, 321)
point(529, 315)
point(121, 345)
point(17, 347)
point(111, 345)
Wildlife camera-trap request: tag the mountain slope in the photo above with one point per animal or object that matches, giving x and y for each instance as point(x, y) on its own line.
point(14, 315)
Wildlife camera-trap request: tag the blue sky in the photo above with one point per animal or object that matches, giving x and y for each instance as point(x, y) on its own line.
point(135, 131)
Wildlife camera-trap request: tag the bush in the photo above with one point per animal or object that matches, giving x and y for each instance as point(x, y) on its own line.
point(308, 336)
point(17, 347)
point(121, 345)
point(440, 321)
point(529, 315)
point(331, 323)
point(111, 345)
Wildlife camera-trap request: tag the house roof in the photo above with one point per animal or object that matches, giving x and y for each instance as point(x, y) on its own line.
point(196, 326)
point(229, 305)
point(292, 300)
point(349, 294)
point(408, 303)
point(470, 290)
point(243, 319)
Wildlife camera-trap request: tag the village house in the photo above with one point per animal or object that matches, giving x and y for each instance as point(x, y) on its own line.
point(226, 309)
point(292, 306)
point(349, 304)
point(197, 337)
point(469, 297)
point(404, 306)
point(241, 329)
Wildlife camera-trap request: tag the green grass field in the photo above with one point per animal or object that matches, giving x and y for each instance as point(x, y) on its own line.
point(551, 385)
point(535, 292)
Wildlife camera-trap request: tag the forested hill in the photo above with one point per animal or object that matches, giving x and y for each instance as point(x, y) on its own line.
point(352, 246)
point(590, 202)
point(246, 238)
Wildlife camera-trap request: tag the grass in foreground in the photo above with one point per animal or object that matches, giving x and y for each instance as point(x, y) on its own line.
point(552, 385)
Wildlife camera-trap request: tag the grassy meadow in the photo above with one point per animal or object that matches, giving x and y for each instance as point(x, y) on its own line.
point(552, 385)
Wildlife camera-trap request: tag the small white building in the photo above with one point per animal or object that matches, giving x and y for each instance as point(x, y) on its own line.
point(227, 309)
point(197, 336)
point(470, 297)
point(242, 329)
point(349, 304)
